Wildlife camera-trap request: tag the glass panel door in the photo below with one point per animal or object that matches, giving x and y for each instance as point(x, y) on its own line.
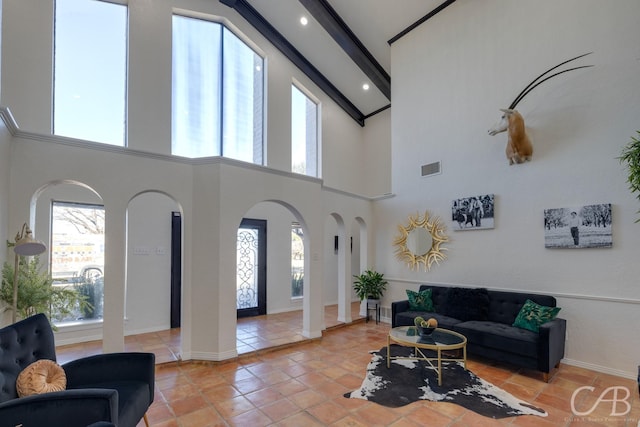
point(251, 268)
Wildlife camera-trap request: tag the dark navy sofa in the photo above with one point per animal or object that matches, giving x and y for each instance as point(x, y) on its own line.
point(485, 317)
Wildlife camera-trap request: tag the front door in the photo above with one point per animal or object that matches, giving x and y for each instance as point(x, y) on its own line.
point(251, 257)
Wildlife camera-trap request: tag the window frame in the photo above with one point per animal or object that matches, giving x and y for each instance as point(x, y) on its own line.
point(87, 205)
point(295, 84)
point(235, 31)
point(123, 138)
point(297, 275)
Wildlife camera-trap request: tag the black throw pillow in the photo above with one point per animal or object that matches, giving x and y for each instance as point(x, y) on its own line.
point(468, 304)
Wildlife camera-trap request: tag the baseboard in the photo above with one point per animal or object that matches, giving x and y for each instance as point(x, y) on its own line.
point(211, 357)
point(147, 330)
point(602, 369)
point(77, 340)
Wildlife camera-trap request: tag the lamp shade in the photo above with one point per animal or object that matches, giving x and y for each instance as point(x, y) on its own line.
point(29, 246)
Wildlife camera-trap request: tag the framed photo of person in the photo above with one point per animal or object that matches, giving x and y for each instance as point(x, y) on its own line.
point(578, 227)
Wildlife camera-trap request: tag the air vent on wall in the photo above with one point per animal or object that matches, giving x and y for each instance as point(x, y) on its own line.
point(430, 169)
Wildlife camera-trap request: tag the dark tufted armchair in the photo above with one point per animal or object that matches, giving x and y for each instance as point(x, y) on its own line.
point(116, 387)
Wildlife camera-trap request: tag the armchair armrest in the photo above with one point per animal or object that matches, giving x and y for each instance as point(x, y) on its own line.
point(551, 344)
point(93, 370)
point(398, 307)
point(69, 408)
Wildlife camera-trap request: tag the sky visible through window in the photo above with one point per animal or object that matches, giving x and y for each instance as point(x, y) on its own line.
point(217, 93)
point(90, 70)
point(303, 138)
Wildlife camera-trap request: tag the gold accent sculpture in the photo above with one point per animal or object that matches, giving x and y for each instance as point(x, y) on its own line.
point(406, 246)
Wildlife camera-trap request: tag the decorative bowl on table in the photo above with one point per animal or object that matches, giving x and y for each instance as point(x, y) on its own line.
point(425, 331)
point(425, 327)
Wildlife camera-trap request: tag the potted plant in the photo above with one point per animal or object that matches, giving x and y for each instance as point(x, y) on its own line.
point(631, 157)
point(36, 292)
point(370, 285)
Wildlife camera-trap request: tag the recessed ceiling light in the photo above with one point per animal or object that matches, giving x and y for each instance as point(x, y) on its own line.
point(365, 86)
point(304, 20)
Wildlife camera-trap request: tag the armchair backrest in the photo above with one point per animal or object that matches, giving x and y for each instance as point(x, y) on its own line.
point(21, 344)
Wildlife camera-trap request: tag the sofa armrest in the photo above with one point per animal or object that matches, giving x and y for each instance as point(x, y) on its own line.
point(398, 307)
point(69, 408)
point(551, 344)
point(110, 367)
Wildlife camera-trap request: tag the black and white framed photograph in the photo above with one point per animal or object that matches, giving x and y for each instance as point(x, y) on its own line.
point(586, 226)
point(472, 213)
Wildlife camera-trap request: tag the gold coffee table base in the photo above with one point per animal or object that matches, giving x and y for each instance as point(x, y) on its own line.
point(440, 340)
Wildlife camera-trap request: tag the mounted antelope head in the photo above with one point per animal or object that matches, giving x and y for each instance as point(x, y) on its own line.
point(519, 148)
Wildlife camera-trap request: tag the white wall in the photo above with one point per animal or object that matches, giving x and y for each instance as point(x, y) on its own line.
point(213, 194)
point(148, 298)
point(450, 77)
point(27, 79)
point(376, 153)
point(5, 150)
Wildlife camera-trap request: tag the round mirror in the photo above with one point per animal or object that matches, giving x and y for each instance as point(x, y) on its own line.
point(419, 241)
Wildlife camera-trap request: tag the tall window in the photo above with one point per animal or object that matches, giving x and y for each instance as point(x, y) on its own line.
point(217, 93)
point(304, 133)
point(77, 257)
point(297, 260)
point(90, 70)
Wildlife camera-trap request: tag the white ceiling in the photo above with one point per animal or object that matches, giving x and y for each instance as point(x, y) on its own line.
point(374, 22)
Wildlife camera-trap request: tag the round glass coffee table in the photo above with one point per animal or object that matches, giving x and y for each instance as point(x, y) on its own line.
point(441, 340)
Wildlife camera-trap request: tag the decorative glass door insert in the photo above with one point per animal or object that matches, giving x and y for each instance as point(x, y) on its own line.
point(250, 256)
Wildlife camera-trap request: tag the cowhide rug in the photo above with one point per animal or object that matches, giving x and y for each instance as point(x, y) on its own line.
point(407, 381)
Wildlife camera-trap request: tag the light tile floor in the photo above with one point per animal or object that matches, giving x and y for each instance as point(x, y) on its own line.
point(303, 385)
point(253, 334)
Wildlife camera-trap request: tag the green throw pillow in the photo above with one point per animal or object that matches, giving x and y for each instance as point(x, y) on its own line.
point(420, 301)
point(532, 315)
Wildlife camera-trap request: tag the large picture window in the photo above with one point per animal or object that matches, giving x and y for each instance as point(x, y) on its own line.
point(304, 133)
point(89, 100)
point(77, 258)
point(217, 93)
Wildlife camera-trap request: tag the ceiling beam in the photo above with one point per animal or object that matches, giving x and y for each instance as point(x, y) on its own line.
point(347, 40)
point(282, 44)
point(429, 15)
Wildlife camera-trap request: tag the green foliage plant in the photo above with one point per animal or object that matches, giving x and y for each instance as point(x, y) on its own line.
point(370, 284)
point(36, 292)
point(631, 157)
point(297, 283)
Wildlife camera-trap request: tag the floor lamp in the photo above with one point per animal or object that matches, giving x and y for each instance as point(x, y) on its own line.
point(25, 245)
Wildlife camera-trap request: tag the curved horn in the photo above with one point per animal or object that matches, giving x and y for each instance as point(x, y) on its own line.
point(543, 80)
point(535, 81)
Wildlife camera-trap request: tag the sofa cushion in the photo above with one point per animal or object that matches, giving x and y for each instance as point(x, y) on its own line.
point(468, 304)
point(500, 336)
point(532, 315)
point(438, 296)
point(420, 301)
point(504, 305)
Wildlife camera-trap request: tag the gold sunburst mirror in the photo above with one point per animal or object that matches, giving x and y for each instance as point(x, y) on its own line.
point(419, 242)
